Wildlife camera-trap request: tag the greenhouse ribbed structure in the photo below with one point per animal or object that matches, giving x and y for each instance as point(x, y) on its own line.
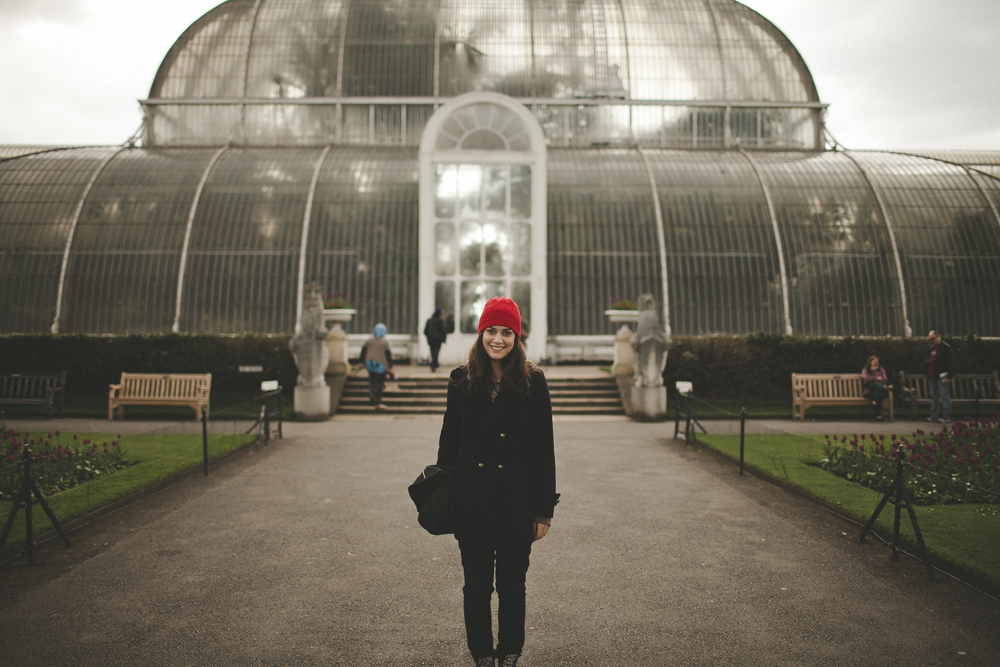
point(434, 153)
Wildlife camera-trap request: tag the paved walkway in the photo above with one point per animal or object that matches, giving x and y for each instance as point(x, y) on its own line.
point(307, 552)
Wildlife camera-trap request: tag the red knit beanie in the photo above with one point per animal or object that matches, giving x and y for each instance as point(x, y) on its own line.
point(501, 312)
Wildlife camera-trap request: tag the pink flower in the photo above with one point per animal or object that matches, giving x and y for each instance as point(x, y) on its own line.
point(86, 441)
point(57, 434)
point(861, 448)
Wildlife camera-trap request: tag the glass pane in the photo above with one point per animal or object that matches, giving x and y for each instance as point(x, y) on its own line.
point(520, 191)
point(444, 298)
point(470, 188)
point(446, 187)
point(519, 249)
point(475, 294)
point(483, 140)
point(495, 246)
point(520, 292)
point(444, 248)
point(495, 192)
point(469, 248)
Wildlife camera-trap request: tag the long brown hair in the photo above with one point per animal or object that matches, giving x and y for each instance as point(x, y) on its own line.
point(516, 368)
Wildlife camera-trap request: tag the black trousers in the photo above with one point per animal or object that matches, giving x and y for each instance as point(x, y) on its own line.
point(507, 555)
point(878, 393)
point(435, 349)
point(376, 385)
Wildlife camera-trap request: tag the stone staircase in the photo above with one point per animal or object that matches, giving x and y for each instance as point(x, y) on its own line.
point(428, 394)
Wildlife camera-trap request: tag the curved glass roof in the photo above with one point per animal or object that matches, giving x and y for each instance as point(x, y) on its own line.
point(705, 50)
point(870, 243)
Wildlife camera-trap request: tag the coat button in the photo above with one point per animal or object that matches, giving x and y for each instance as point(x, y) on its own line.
point(482, 465)
point(500, 467)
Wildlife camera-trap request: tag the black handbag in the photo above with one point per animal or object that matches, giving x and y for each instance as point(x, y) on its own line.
point(431, 493)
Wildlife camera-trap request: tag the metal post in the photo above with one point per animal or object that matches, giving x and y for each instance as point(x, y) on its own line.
point(204, 436)
point(28, 528)
point(266, 409)
point(899, 504)
point(690, 418)
point(743, 430)
point(280, 435)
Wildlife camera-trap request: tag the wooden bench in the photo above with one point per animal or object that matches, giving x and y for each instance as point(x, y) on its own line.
point(158, 389)
point(964, 388)
point(811, 389)
point(18, 389)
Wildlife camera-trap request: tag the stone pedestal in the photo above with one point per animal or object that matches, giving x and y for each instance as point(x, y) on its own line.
point(336, 343)
point(623, 364)
point(312, 403)
point(649, 403)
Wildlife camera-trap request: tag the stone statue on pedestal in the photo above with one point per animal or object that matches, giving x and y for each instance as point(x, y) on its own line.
point(312, 395)
point(650, 345)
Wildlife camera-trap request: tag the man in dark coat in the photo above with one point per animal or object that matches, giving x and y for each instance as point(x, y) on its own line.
point(435, 332)
point(940, 371)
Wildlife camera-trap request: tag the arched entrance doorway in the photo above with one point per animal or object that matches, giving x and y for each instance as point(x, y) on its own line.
point(482, 218)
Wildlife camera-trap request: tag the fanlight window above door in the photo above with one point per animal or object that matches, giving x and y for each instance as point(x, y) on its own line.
point(483, 127)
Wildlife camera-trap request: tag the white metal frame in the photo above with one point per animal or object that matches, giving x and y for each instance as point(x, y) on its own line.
point(458, 344)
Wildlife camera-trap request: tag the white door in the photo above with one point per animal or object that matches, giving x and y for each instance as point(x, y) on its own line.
point(482, 218)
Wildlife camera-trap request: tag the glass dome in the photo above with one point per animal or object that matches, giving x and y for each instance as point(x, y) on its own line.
point(668, 73)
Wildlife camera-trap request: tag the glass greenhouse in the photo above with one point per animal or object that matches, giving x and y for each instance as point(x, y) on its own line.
point(421, 153)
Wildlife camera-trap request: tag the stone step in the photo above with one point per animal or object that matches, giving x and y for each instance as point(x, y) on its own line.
point(428, 395)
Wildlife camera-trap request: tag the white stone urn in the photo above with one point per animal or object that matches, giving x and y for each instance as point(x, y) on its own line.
point(336, 339)
point(338, 316)
point(623, 364)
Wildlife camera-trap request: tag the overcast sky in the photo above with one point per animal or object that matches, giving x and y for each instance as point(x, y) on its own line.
point(897, 74)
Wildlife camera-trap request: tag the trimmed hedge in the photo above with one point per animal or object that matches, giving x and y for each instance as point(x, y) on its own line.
point(761, 365)
point(94, 362)
point(750, 366)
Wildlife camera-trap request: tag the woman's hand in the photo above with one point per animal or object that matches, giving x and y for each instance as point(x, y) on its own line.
point(541, 530)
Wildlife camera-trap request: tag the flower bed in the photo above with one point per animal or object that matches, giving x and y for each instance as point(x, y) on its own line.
point(960, 465)
point(56, 466)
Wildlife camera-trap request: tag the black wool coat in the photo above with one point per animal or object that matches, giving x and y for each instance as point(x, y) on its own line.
point(502, 457)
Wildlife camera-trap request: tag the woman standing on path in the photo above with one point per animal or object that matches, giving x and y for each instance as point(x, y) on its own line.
point(497, 439)
point(376, 358)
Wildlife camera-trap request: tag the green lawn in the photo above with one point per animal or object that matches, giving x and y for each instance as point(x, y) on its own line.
point(965, 535)
point(156, 457)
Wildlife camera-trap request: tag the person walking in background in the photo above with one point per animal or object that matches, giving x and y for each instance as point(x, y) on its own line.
point(376, 358)
point(435, 332)
point(940, 371)
point(876, 384)
point(497, 441)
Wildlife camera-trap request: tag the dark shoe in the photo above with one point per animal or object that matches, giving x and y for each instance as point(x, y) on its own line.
point(488, 661)
point(510, 660)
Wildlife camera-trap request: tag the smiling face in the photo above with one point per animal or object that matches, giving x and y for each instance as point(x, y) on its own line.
point(874, 362)
point(498, 342)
